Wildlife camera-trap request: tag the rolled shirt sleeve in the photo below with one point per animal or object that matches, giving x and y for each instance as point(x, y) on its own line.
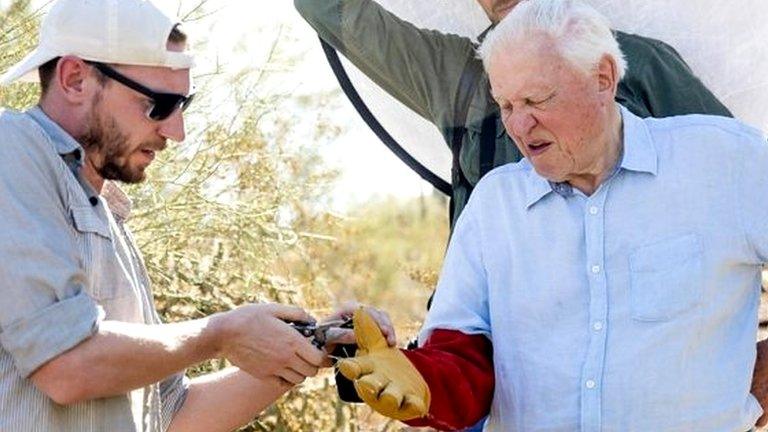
point(44, 308)
point(43, 334)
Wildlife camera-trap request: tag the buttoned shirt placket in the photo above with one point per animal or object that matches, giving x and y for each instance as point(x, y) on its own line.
point(592, 371)
point(594, 237)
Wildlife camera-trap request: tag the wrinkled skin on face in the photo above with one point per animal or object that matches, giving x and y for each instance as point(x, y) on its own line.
point(563, 119)
point(497, 9)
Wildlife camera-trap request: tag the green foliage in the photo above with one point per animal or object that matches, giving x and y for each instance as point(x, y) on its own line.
point(236, 214)
point(18, 29)
point(386, 254)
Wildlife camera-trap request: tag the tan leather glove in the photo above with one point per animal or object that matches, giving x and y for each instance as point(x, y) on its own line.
point(383, 376)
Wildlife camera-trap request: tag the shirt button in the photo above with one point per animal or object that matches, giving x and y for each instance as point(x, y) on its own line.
point(598, 325)
point(593, 210)
point(590, 384)
point(595, 269)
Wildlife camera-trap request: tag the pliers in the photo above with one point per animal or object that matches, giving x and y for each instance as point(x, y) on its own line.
point(319, 333)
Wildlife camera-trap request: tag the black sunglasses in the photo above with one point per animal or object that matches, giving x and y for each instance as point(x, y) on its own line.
point(163, 104)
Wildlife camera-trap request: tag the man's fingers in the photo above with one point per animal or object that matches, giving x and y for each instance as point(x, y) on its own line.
point(336, 336)
point(354, 368)
point(289, 313)
point(302, 367)
point(310, 354)
point(385, 324)
point(345, 311)
point(291, 376)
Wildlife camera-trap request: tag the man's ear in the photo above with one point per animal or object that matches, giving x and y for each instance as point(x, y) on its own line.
point(608, 76)
point(74, 79)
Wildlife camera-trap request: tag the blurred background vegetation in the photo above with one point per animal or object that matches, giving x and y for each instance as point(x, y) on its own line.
point(239, 213)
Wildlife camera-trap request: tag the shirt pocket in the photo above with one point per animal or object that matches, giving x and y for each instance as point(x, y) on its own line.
point(666, 278)
point(95, 244)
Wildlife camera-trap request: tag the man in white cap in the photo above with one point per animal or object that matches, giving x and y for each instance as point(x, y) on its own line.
point(81, 345)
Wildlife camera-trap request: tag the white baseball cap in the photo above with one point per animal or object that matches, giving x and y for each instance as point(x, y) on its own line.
point(131, 32)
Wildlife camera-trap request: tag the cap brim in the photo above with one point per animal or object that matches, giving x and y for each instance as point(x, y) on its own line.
point(26, 69)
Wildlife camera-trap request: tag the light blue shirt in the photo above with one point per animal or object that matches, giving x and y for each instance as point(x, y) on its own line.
point(633, 309)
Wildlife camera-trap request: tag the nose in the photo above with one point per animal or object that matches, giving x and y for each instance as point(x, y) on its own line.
point(172, 128)
point(520, 123)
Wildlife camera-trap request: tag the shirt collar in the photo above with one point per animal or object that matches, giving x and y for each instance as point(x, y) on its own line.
point(70, 150)
point(481, 37)
point(62, 141)
point(639, 151)
point(638, 154)
point(537, 187)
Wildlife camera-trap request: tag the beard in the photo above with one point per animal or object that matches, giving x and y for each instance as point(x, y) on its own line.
point(105, 140)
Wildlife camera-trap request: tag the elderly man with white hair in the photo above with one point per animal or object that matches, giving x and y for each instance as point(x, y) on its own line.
point(610, 280)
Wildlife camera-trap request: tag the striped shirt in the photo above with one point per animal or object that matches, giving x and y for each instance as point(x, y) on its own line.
point(69, 262)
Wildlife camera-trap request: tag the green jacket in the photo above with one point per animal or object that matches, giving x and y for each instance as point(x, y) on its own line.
point(439, 77)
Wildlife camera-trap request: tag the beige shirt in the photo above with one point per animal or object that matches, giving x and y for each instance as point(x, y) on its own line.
point(68, 262)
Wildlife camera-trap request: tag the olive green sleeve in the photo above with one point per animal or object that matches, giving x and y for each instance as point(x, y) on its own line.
point(667, 85)
point(420, 68)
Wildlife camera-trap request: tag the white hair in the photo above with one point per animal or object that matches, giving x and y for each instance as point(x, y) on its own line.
point(581, 34)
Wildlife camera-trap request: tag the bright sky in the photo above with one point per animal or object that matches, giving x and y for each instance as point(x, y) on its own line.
point(368, 168)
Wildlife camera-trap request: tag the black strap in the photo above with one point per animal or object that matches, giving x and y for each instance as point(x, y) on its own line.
point(487, 132)
point(467, 87)
point(487, 144)
point(468, 82)
point(346, 85)
point(457, 176)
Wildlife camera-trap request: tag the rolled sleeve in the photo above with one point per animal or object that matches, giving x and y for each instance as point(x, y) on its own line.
point(173, 393)
point(44, 307)
point(48, 332)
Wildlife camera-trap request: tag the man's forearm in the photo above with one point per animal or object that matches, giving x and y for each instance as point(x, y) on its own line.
point(225, 400)
point(405, 61)
point(124, 356)
point(121, 356)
